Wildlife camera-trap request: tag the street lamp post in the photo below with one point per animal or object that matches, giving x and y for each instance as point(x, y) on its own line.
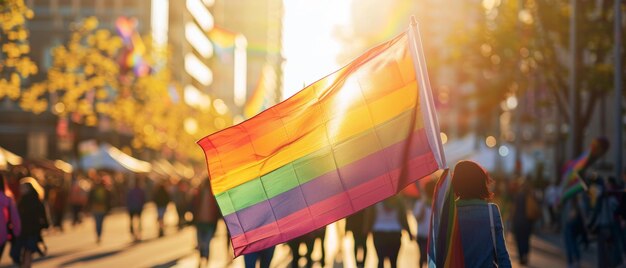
point(618, 89)
point(573, 81)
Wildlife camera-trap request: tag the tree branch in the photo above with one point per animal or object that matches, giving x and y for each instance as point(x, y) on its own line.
point(560, 99)
point(589, 109)
point(548, 49)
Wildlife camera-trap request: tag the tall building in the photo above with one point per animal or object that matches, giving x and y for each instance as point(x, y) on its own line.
point(221, 49)
point(220, 53)
point(35, 136)
point(189, 22)
point(260, 23)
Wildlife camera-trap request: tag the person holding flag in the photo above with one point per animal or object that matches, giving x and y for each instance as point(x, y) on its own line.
point(466, 229)
point(481, 246)
point(573, 180)
point(572, 207)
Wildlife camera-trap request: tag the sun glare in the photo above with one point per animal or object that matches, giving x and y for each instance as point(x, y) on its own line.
point(309, 48)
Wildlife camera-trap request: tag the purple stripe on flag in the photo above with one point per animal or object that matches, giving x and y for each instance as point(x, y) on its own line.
point(323, 187)
point(329, 210)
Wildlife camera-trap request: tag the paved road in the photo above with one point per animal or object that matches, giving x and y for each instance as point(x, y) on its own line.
point(76, 247)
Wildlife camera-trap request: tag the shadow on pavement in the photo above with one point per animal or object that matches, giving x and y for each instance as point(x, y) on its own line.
point(167, 264)
point(38, 259)
point(92, 257)
point(50, 256)
point(171, 263)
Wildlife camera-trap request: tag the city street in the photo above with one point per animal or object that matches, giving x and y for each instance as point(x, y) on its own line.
point(289, 116)
point(76, 247)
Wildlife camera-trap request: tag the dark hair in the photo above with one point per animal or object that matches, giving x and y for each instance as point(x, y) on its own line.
point(470, 181)
point(31, 194)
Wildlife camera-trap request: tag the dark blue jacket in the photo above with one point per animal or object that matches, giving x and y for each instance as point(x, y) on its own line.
point(476, 236)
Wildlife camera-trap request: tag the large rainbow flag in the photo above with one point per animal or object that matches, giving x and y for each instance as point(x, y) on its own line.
point(343, 143)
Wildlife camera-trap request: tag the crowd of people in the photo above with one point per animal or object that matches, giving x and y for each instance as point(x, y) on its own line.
point(23, 220)
point(35, 201)
point(586, 208)
point(32, 201)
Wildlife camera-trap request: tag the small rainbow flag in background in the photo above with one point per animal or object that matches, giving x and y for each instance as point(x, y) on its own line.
point(263, 93)
point(572, 183)
point(222, 39)
point(345, 142)
point(134, 57)
point(223, 42)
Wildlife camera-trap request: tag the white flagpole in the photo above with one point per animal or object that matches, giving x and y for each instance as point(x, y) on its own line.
point(431, 123)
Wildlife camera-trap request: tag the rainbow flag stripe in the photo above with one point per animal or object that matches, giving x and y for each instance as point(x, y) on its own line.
point(444, 240)
point(343, 143)
point(262, 94)
point(222, 38)
point(571, 182)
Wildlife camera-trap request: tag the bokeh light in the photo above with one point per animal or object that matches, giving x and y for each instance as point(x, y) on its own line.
point(503, 150)
point(220, 106)
point(511, 102)
point(191, 125)
point(490, 141)
point(59, 108)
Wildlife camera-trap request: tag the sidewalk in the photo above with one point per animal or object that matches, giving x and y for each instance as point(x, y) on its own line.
point(547, 250)
point(76, 247)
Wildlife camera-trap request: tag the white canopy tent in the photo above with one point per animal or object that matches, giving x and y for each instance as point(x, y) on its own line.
point(164, 167)
point(8, 158)
point(109, 157)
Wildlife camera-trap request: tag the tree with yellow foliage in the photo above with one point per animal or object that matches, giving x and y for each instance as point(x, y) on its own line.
point(83, 77)
point(86, 83)
point(159, 121)
point(15, 65)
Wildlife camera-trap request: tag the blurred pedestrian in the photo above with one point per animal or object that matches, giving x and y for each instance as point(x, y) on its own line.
point(321, 235)
point(99, 204)
point(57, 199)
point(264, 257)
point(621, 211)
point(603, 223)
point(354, 224)
point(181, 201)
point(480, 224)
point(388, 219)
point(574, 230)
point(17, 172)
point(421, 211)
point(575, 178)
point(205, 216)
point(309, 241)
point(78, 199)
point(135, 200)
point(526, 210)
point(10, 224)
point(161, 200)
point(34, 219)
point(551, 196)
